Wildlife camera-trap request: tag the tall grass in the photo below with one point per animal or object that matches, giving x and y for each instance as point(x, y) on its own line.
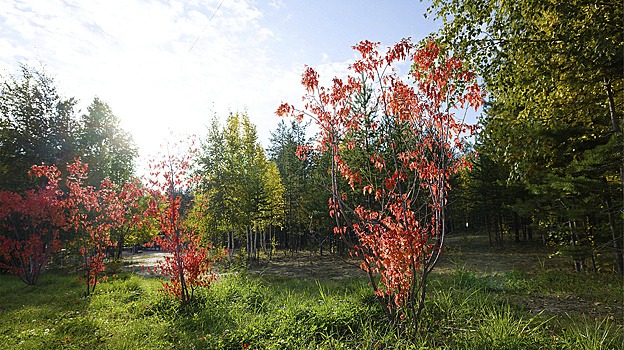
point(464, 310)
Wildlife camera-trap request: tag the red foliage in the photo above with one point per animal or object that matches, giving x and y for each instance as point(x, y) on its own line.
point(395, 143)
point(188, 266)
point(30, 223)
point(93, 212)
point(29, 226)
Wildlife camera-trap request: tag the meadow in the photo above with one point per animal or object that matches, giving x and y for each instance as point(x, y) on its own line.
point(477, 300)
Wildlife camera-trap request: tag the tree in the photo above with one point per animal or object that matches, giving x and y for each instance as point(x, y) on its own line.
point(122, 208)
point(556, 81)
point(189, 265)
point(32, 221)
point(218, 170)
point(30, 225)
point(94, 213)
point(396, 146)
point(105, 146)
point(296, 176)
point(86, 218)
point(239, 184)
point(37, 126)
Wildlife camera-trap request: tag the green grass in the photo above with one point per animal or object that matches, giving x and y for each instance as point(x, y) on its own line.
point(464, 310)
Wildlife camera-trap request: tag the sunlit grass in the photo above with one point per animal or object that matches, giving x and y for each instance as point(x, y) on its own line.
point(464, 310)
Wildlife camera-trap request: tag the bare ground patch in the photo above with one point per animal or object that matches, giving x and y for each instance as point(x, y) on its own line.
point(309, 266)
point(472, 252)
point(143, 263)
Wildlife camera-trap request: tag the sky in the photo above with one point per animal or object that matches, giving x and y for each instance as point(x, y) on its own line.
point(169, 67)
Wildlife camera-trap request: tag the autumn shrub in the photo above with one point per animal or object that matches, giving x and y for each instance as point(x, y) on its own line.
point(92, 213)
point(189, 263)
point(30, 223)
point(393, 144)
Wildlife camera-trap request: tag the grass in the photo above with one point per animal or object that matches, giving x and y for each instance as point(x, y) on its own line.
point(465, 310)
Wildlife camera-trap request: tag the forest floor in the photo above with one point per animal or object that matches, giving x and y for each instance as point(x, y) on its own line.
point(469, 252)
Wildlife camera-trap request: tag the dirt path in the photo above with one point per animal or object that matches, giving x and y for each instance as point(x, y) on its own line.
point(467, 252)
point(143, 263)
point(310, 266)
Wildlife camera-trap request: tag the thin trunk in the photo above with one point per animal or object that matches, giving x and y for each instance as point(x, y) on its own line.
point(615, 123)
point(589, 234)
point(616, 238)
point(421, 299)
point(184, 297)
point(616, 128)
point(578, 264)
point(524, 229)
point(489, 227)
point(255, 245)
point(271, 242)
point(232, 244)
point(516, 228)
point(499, 228)
point(247, 245)
point(120, 245)
point(263, 244)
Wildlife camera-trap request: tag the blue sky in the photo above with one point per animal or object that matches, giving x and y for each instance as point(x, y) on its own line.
point(165, 66)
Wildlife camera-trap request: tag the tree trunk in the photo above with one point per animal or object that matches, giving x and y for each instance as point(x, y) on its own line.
point(489, 227)
point(231, 246)
point(499, 228)
point(617, 239)
point(616, 128)
point(247, 245)
point(120, 245)
point(524, 229)
point(578, 263)
point(516, 228)
point(615, 122)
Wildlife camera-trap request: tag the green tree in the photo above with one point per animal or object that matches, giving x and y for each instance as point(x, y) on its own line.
point(37, 126)
point(296, 176)
point(239, 187)
point(273, 210)
point(105, 145)
point(555, 75)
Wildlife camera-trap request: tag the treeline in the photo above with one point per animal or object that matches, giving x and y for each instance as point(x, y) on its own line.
point(550, 148)
point(39, 126)
point(257, 201)
point(247, 199)
point(548, 164)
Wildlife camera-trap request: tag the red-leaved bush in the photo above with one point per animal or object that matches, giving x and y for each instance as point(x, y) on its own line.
point(30, 222)
point(92, 213)
point(188, 265)
point(394, 143)
point(29, 226)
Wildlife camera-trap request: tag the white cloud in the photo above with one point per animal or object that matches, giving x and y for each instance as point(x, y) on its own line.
point(135, 55)
point(163, 65)
point(277, 4)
